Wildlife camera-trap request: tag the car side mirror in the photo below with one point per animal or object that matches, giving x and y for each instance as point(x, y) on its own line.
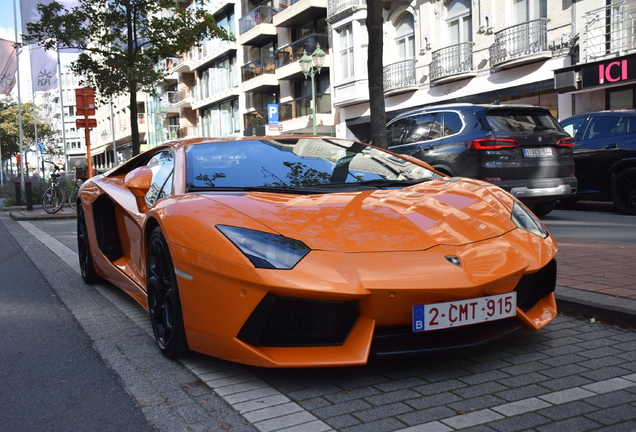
point(138, 181)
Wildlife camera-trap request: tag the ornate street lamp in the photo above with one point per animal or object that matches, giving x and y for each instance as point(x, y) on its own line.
point(310, 67)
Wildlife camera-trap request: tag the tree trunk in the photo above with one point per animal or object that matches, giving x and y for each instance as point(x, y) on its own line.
point(134, 124)
point(376, 77)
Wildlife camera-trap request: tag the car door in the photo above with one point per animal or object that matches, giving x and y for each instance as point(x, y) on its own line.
point(162, 166)
point(420, 137)
point(446, 151)
point(595, 150)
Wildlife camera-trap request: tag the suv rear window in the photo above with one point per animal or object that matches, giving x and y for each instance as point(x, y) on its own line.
point(520, 120)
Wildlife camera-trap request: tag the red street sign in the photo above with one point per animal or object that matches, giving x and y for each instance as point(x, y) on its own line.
point(85, 101)
point(89, 123)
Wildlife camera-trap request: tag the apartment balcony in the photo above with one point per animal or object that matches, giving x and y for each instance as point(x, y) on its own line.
point(166, 66)
point(184, 98)
point(520, 44)
point(399, 77)
point(182, 64)
point(294, 13)
point(216, 6)
point(213, 50)
point(452, 63)
point(256, 27)
point(259, 73)
point(610, 31)
point(286, 57)
point(169, 102)
point(219, 94)
point(340, 8)
point(255, 118)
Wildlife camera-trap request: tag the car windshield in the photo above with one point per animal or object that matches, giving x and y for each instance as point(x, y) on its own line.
point(521, 120)
point(296, 164)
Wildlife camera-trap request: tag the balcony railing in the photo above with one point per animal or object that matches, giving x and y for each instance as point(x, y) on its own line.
point(293, 52)
point(302, 107)
point(610, 31)
point(337, 7)
point(452, 60)
point(184, 95)
point(169, 98)
point(255, 118)
point(260, 15)
point(284, 4)
point(520, 40)
point(399, 75)
point(258, 67)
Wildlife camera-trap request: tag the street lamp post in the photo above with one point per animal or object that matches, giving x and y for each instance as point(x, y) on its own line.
point(310, 67)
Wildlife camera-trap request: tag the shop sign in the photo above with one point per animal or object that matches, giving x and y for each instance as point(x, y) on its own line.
point(609, 72)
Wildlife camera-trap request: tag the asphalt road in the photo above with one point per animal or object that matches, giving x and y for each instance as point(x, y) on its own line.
point(52, 378)
point(591, 221)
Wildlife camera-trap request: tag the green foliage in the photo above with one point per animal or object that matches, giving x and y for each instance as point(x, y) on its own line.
point(38, 187)
point(121, 42)
point(9, 127)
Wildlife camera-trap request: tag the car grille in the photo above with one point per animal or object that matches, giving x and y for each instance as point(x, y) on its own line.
point(288, 321)
point(533, 287)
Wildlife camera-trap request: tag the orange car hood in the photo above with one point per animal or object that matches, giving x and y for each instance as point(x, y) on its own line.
point(448, 212)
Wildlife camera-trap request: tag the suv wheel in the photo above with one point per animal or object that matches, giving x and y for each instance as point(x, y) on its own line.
point(624, 191)
point(543, 208)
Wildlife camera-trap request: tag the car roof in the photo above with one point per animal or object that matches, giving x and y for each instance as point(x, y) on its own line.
point(466, 105)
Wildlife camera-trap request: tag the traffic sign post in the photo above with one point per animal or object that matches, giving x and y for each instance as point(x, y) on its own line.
point(85, 105)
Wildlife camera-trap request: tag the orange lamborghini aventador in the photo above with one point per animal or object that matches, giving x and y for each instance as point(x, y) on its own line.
point(298, 251)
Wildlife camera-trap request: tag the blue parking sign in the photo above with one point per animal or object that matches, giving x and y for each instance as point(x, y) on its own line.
point(272, 114)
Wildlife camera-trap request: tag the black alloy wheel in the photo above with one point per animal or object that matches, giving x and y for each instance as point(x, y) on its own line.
point(543, 208)
point(87, 266)
point(624, 191)
point(164, 305)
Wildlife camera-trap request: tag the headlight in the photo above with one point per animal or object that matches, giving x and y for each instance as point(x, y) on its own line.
point(526, 220)
point(266, 250)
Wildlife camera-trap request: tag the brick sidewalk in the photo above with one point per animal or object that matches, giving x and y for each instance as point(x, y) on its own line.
point(606, 268)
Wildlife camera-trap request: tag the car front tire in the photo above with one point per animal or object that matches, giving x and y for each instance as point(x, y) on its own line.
point(87, 266)
point(164, 305)
point(623, 191)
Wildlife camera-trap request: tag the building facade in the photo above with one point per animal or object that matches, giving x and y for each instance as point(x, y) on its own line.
point(440, 51)
point(540, 52)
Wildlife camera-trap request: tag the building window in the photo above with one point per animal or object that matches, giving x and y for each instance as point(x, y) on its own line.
point(405, 36)
point(528, 10)
point(459, 21)
point(346, 52)
point(221, 119)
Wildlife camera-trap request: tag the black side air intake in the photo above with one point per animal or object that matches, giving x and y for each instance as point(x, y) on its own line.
point(106, 228)
point(533, 287)
point(287, 321)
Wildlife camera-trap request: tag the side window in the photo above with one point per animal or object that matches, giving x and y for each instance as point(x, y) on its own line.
point(162, 166)
point(452, 123)
point(420, 128)
point(395, 130)
point(572, 126)
point(604, 126)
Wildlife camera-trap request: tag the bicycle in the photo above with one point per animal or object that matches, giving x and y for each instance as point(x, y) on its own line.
point(81, 174)
point(53, 198)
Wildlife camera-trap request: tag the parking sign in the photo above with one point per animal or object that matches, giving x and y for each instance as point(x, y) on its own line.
point(272, 114)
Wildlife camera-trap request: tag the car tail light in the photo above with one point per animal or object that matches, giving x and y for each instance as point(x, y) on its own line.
point(566, 142)
point(490, 144)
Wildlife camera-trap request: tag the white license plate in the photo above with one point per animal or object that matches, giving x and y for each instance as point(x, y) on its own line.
point(463, 312)
point(537, 152)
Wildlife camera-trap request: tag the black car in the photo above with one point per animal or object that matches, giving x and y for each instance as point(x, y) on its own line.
point(605, 156)
point(520, 148)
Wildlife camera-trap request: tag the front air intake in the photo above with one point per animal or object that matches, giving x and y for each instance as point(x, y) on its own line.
point(533, 287)
point(287, 321)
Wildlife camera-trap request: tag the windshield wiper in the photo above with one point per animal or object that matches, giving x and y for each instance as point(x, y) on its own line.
point(275, 189)
point(374, 184)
